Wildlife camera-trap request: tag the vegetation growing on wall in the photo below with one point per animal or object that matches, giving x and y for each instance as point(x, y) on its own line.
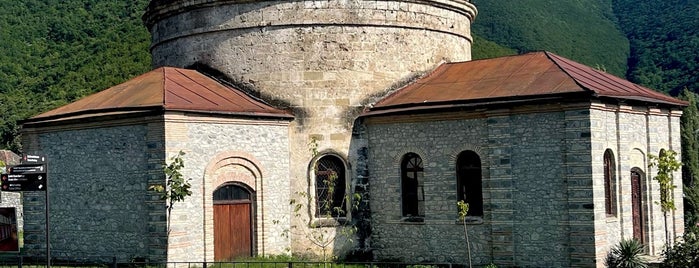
point(326, 229)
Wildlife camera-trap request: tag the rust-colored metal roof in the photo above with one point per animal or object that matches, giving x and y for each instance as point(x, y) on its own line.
point(532, 75)
point(169, 89)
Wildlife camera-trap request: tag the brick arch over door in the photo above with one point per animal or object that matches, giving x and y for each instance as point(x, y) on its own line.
point(239, 168)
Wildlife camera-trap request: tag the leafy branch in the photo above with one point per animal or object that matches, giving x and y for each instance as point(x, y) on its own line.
point(463, 212)
point(317, 231)
point(667, 164)
point(176, 188)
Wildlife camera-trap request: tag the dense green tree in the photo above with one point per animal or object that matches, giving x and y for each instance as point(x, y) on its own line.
point(690, 158)
point(664, 39)
point(485, 49)
point(585, 31)
point(55, 52)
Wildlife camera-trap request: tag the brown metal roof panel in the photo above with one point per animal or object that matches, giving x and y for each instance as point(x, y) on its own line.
point(528, 75)
point(604, 84)
point(532, 74)
point(192, 90)
point(554, 81)
point(170, 89)
point(129, 94)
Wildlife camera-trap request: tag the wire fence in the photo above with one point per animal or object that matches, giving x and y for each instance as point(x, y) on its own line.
point(32, 262)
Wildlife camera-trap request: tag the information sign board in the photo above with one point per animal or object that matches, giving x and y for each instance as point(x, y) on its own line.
point(30, 175)
point(23, 182)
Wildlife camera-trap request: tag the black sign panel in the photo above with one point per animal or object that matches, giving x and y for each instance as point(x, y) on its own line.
point(30, 175)
point(27, 169)
point(23, 182)
point(33, 159)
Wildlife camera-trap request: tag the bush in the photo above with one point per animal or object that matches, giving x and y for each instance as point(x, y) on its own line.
point(627, 254)
point(684, 253)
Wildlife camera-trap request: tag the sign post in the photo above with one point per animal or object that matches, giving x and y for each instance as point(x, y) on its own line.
point(30, 175)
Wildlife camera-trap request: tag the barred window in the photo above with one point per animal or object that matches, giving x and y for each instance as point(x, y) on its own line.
point(330, 187)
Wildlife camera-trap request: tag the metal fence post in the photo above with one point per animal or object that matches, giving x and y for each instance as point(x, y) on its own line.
point(19, 264)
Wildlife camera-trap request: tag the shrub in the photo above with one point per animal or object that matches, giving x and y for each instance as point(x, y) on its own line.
point(627, 254)
point(685, 252)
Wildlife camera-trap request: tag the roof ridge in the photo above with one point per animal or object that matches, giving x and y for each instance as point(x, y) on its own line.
point(554, 58)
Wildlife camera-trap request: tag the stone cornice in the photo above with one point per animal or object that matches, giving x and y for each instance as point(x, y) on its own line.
point(160, 9)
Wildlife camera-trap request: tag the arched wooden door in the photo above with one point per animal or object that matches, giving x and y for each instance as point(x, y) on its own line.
point(233, 222)
point(637, 206)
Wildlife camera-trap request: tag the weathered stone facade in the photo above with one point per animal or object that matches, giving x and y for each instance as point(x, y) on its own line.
point(543, 187)
point(633, 133)
point(329, 63)
point(100, 173)
point(323, 59)
point(219, 151)
point(98, 180)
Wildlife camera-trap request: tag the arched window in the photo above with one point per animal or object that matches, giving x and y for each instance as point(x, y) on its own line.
point(231, 193)
point(609, 183)
point(412, 184)
point(330, 187)
point(469, 182)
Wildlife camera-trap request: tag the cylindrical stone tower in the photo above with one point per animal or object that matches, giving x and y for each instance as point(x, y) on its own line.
point(323, 59)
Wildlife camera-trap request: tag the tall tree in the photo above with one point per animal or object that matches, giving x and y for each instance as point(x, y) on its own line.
point(690, 158)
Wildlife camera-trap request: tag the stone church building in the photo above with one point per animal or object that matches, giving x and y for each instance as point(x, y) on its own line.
point(269, 99)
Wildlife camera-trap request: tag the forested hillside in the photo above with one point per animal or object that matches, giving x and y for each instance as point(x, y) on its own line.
point(56, 51)
point(664, 38)
point(584, 31)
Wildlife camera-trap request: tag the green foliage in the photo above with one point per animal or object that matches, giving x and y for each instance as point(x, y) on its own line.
point(584, 31)
point(326, 229)
point(485, 49)
point(176, 188)
point(666, 163)
point(55, 52)
point(627, 254)
point(664, 40)
point(684, 253)
point(690, 158)
point(463, 209)
point(463, 212)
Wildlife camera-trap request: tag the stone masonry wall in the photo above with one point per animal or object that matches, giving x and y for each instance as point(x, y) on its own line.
point(323, 59)
point(540, 198)
point(632, 133)
point(98, 189)
point(533, 199)
point(219, 150)
point(440, 238)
